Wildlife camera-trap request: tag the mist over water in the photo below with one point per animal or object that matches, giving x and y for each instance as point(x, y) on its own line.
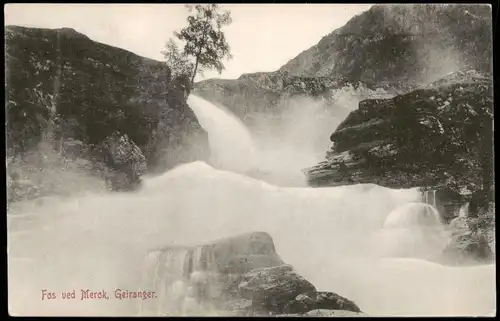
point(299, 136)
point(296, 139)
point(364, 242)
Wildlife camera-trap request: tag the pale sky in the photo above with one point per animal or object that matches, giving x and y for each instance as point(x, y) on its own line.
point(263, 37)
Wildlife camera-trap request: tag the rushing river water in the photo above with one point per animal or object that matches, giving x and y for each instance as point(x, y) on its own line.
point(365, 242)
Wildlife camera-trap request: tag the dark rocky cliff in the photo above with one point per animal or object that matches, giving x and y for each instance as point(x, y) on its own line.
point(417, 135)
point(63, 86)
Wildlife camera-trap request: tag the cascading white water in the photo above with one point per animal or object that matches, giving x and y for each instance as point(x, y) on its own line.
point(464, 210)
point(413, 230)
point(230, 142)
point(426, 198)
point(324, 233)
point(100, 241)
point(413, 215)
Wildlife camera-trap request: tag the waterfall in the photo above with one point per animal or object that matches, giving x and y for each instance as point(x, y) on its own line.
point(464, 210)
point(165, 273)
point(231, 143)
point(426, 198)
point(197, 259)
point(177, 275)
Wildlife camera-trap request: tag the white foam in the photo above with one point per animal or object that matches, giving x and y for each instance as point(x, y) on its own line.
point(413, 215)
point(324, 233)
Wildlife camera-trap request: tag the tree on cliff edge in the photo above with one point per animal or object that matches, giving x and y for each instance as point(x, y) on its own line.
point(205, 45)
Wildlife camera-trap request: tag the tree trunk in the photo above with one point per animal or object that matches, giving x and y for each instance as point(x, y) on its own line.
point(199, 52)
point(195, 68)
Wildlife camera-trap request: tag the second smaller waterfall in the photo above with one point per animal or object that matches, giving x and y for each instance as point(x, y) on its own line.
point(429, 197)
point(183, 280)
point(464, 210)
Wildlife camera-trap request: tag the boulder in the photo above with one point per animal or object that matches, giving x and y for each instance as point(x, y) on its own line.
point(272, 288)
point(126, 160)
point(239, 276)
point(124, 152)
point(239, 254)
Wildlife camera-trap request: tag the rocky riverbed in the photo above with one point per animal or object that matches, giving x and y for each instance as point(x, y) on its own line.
point(239, 276)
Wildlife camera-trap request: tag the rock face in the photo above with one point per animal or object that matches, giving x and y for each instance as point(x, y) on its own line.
point(61, 85)
point(128, 160)
point(271, 289)
point(239, 276)
point(393, 43)
point(406, 141)
point(472, 239)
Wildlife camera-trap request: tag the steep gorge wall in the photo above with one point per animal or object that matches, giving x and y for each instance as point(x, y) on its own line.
point(63, 86)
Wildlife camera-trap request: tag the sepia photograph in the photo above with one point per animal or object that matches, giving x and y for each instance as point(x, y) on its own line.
point(261, 160)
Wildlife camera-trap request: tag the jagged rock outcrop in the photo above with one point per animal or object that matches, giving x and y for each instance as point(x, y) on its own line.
point(61, 85)
point(126, 158)
point(241, 276)
point(421, 138)
point(270, 289)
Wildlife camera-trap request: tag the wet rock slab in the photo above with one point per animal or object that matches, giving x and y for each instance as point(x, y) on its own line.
point(270, 289)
